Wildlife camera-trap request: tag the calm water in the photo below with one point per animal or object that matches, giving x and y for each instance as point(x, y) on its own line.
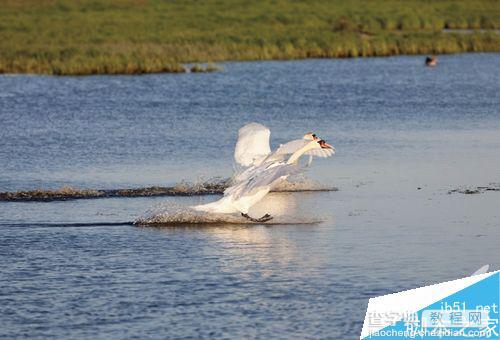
point(397, 126)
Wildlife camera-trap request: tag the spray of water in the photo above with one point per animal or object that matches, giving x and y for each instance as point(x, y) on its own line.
point(282, 206)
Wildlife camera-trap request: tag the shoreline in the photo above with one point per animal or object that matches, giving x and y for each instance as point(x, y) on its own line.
point(215, 66)
point(221, 65)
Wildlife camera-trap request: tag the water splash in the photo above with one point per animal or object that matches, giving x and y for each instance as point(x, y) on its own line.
point(281, 206)
point(212, 186)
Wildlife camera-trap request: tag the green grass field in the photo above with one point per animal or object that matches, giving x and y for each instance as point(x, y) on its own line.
point(66, 37)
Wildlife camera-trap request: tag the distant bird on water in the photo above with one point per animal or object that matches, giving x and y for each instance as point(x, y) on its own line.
point(431, 61)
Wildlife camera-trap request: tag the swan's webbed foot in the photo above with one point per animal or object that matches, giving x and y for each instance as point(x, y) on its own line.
point(264, 218)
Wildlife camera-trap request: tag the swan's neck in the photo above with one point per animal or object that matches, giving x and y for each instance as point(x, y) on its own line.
point(296, 155)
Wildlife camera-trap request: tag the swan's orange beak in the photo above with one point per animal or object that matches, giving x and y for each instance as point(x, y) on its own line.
point(325, 145)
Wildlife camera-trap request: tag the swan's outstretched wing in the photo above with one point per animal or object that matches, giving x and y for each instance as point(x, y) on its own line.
point(321, 152)
point(291, 147)
point(252, 145)
point(294, 145)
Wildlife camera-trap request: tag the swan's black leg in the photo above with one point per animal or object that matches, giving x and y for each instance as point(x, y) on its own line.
point(248, 217)
point(264, 218)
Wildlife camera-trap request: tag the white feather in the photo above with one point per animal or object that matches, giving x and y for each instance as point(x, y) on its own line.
point(252, 145)
point(321, 152)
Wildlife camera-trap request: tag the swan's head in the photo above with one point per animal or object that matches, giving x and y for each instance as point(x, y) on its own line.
point(310, 136)
point(324, 145)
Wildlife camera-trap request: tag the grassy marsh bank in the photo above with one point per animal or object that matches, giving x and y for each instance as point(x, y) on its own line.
point(138, 36)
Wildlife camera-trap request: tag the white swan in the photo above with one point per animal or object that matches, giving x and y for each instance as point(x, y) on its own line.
point(264, 170)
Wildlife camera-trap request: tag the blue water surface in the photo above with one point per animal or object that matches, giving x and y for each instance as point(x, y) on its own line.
point(405, 135)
